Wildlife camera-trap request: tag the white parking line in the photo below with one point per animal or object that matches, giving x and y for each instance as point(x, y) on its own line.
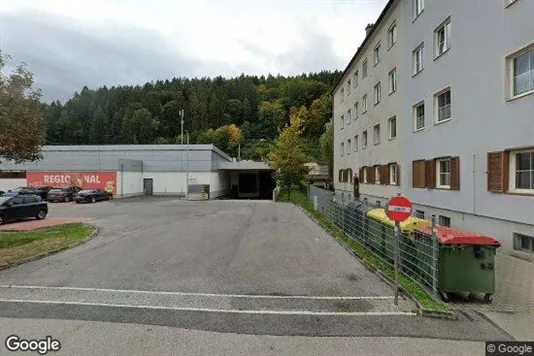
point(202, 294)
point(235, 311)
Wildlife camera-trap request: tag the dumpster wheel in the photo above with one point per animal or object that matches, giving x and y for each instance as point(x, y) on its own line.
point(488, 298)
point(444, 296)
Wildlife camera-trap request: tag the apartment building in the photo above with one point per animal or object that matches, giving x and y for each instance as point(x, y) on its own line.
point(464, 116)
point(366, 110)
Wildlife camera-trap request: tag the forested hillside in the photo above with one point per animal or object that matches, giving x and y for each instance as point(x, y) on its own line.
point(246, 110)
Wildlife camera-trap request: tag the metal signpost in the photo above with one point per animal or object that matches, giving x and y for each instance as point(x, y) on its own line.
point(398, 209)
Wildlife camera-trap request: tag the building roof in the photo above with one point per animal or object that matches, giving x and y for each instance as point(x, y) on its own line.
point(191, 147)
point(362, 46)
point(244, 165)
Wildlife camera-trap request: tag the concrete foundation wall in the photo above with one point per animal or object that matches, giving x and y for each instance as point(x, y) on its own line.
point(220, 184)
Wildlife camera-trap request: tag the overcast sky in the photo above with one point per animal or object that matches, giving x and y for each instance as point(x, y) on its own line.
point(69, 44)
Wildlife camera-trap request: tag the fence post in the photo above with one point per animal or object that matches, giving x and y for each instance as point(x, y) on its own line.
point(435, 251)
point(342, 211)
point(396, 261)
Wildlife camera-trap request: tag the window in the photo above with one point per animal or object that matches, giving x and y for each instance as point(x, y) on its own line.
point(392, 35)
point(523, 242)
point(523, 73)
point(376, 134)
point(442, 38)
point(364, 69)
point(356, 110)
point(378, 93)
point(377, 174)
point(522, 171)
point(393, 80)
point(356, 143)
point(419, 116)
point(342, 94)
point(349, 146)
point(364, 104)
point(342, 121)
point(444, 221)
point(377, 53)
point(364, 170)
point(355, 79)
point(393, 174)
point(417, 54)
point(443, 102)
point(364, 138)
point(349, 116)
point(342, 148)
point(348, 87)
point(443, 173)
point(418, 7)
point(392, 127)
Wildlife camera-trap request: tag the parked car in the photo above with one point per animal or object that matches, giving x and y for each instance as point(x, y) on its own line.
point(92, 195)
point(64, 194)
point(21, 207)
point(41, 191)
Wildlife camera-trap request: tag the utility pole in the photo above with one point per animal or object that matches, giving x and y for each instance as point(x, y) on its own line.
point(187, 167)
point(182, 123)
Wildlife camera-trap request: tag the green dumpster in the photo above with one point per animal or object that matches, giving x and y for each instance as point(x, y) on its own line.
point(382, 235)
point(466, 262)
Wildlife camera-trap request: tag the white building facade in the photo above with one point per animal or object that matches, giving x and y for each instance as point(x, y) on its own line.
point(465, 116)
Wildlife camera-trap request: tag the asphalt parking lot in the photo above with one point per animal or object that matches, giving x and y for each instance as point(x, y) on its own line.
point(246, 267)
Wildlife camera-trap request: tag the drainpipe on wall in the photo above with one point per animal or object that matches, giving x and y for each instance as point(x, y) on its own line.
point(122, 180)
point(474, 188)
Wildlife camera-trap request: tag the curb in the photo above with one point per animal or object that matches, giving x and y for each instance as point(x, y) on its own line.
point(421, 310)
point(43, 255)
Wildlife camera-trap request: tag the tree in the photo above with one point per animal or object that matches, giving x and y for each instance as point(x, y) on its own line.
point(327, 147)
point(170, 119)
point(287, 159)
point(236, 138)
point(21, 121)
point(99, 127)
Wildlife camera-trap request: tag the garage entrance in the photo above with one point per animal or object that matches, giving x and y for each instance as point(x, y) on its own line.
point(252, 185)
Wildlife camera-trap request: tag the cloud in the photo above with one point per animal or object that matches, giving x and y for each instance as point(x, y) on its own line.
point(67, 53)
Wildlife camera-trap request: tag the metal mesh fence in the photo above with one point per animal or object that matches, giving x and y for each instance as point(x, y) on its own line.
point(366, 223)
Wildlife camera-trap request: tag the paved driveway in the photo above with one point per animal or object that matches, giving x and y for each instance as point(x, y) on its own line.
point(247, 267)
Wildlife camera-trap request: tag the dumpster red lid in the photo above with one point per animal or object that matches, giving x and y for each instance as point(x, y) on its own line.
point(449, 236)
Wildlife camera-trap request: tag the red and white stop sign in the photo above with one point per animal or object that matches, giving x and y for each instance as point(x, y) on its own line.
point(398, 209)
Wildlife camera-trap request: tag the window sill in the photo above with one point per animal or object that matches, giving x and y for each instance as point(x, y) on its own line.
point(377, 103)
point(392, 138)
point(443, 187)
point(377, 144)
point(390, 47)
point(415, 74)
point(417, 16)
point(443, 121)
point(522, 95)
point(441, 54)
point(374, 65)
point(521, 192)
point(363, 112)
point(392, 92)
point(510, 3)
point(417, 130)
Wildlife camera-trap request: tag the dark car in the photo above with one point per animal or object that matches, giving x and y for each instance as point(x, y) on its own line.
point(65, 194)
point(21, 207)
point(41, 191)
point(92, 195)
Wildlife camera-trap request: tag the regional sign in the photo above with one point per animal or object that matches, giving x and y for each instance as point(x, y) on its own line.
point(84, 180)
point(398, 209)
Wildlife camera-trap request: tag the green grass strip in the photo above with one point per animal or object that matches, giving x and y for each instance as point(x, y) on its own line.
point(416, 291)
